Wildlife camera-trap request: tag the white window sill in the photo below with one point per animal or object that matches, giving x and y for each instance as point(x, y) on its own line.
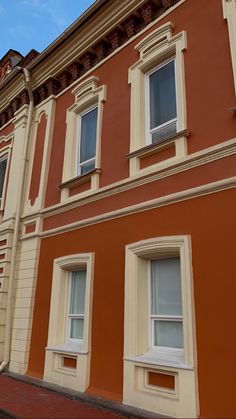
point(68, 348)
point(155, 146)
point(80, 179)
point(162, 358)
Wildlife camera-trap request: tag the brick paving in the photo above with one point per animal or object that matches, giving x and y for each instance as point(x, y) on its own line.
point(21, 400)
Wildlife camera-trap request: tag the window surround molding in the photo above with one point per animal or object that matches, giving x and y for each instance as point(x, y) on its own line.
point(229, 12)
point(139, 357)
point(157, 47)
point(87, 94)
point(58, 346)
point(45, 109)
point(137, 257)
point(5, 152)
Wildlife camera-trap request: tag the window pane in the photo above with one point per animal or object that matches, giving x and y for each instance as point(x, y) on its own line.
point(162, 95)
point(3, 165)
point(88, 134)
point(86, 167)
point(168, 333)
point(77, 296)
point(166, 287)
point(76, 328)
point(164, 132)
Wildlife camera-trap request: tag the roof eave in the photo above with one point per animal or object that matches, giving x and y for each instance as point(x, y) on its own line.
point(73, 27)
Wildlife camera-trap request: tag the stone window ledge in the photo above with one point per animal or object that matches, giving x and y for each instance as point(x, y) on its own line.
point(79, 180)
point(152, 148)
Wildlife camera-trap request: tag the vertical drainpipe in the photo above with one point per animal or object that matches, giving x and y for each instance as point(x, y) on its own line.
point(19, 204)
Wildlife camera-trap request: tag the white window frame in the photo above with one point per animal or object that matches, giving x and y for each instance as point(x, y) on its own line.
point(147, 87)
point(74, 316)
point(137, 341)
point(139, 358)
point(154, 50)
point(78, 163)
point(58, 344)
point(171, 352)
point(2, 158)
point(87, 95)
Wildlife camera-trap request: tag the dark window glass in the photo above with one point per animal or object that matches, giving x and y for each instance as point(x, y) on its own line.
point(3, 166)
point(88, 135)
point(162, 95)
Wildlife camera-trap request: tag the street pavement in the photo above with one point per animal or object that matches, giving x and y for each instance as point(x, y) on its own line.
point(20, 400)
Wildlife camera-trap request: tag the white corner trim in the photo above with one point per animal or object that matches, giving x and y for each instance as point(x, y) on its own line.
point(229, 12)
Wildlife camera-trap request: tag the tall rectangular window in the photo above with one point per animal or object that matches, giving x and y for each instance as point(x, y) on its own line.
point(76, 305)
point(166, 303)
point(162, 118)
point(159, 330)
point(87, 140)
point(3, 166)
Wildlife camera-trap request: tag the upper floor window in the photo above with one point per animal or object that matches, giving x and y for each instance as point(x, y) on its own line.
point(158, 108)
point(162, 106)
point(87, 140)
point(82, 158)
point(3, 167)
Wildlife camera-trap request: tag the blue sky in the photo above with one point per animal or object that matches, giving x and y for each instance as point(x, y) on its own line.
point(27, 24)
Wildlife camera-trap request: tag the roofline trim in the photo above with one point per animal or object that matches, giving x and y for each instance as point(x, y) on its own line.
point(74, 26)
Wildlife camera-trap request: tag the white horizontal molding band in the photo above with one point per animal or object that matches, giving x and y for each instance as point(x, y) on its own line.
point(189, 162)
point(148, 205)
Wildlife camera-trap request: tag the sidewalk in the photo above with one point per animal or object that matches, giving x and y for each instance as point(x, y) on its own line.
point(20, 400)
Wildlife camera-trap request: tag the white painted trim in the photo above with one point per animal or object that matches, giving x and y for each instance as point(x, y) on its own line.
point(137, 352)
point(148, 130)
point(5, 154)
point(87, 95)
point(57, 331)
point(142, 359)
point(229, 12)
point(79, 164)
point(188, 162)
point(46, 108)
point(199, 191)
point(75, 49)
point(156, 48)
point(6, 138)
point(117, 50)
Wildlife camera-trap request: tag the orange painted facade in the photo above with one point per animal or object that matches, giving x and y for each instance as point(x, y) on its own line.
point(108, 305)
point(181, 188)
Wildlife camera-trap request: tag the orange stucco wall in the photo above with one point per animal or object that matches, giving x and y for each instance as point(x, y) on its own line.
point(210, 220)
point(213, 247)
